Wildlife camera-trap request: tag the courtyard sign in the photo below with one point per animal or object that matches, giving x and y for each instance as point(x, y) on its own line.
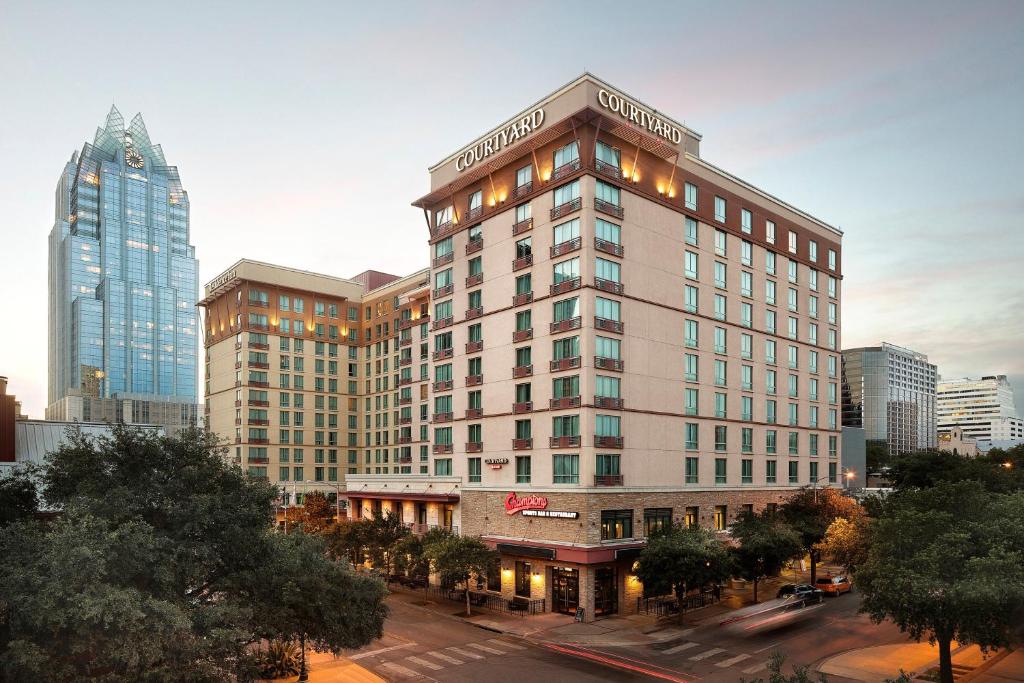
point(497, 142)
point(641, 117)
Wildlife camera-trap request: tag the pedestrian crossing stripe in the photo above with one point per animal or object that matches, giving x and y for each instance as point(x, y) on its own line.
point(679, 648)
point(484, 648)
point(708, 653)
point(399, 669)
point(423, 662)
point(732, 660)
point(464, 653)
point(444, 658)
point(757, 667)
point(505, 643)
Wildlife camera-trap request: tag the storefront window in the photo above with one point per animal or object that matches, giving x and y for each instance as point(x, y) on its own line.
point(616, 524)
point(523, 579)
point(656, 520)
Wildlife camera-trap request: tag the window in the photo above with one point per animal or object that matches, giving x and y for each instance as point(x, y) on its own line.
point(606, 347)
point(608, 232)
point(720, 372)
point(474, 471)
point(657, 520)
point(769, 381)
point(566, 469)
point(567, 270)
point(567, 155)
point(720, 302)
point(812, 250)
point(691, 363)
point(720, 405)
point(607, 387)
point(746, 471)
point(443, 467)
point(813, 445)
point(720, 274)
point(523, 321)
point(792, 242)
point(566, 193)
point(616, 524)
point(691, 473)
point(443, 216)
point(524, 176)
point(746, 314)
point(565, 425)
point(720, 242)
point(524, 284)
point(567, 309)
point(770, 471)
point(746, 377)
point(607, 270)
point(691, 401)
point(719, 209)
point(522, 469)
point(793, 271)
point(523, 213)
point(720, 337)
point(771, 441)
point(475, 332)
point(769, 262)
point(607, 465)
point(476, 266)
point(832, 472)
point(692, 436)
point(769, 322)
point(831, 259)
point(566, 232)
point(746, 408)
point(769, 232)
point(794, 472)
point(746, 283)
point(746, 221)
point(690, 196)
point(746, 346)
point(691, 230)
point(690, 330)
point(607, 193)
point(524, 248)
point(721, 470)
point(769, 351)
point(565, 387)
point(770, 411)
point(690, 265)
point(721, 437)
point(691, 295)
point(607, 154)
point(568, 347)
point(606, 425)
point(608, 309)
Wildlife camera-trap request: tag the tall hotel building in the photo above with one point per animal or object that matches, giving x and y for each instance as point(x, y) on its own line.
point(889, 392)
point(123, 285)
point(983, 408)
point(310, 377)
point(621, 335)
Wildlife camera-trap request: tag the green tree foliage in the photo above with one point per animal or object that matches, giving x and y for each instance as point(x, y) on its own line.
point(801, 674)
point(945, 563)
point(846, 541)
point(159, 567)
point(765, 545)
point(317, 513)
point(19, 497)
point(999, 471)
point(369, 538)
point(810, 512)
point(680, 559)
point(458, 558)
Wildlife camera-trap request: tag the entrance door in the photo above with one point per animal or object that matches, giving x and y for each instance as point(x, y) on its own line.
point(606, 591)
point(565, 589)
point(421, 513)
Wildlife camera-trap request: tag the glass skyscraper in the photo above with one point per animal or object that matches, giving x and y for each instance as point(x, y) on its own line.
point(123, 285)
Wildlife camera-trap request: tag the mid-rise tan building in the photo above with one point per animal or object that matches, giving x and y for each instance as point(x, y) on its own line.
point(623, 335)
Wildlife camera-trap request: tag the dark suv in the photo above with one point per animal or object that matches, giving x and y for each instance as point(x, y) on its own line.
point(803, 592)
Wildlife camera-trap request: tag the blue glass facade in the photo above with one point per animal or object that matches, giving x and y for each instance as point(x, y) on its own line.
point(123, 275)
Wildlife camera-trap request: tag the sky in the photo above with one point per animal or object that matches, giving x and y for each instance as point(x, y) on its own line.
point(303, 131)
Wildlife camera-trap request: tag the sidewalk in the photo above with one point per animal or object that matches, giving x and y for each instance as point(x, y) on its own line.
point(324, 667)
point(885, 661)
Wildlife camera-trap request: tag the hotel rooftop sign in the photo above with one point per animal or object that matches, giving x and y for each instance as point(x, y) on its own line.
point(639, 116)
point(501, 139)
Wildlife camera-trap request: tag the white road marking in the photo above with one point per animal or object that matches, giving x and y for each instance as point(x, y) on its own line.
point(399, 669)
point(756, 668)
point(505, 643)
point(484, 648)
point(371, 653)
point(445, 658)
point(679, 648)
point(768, 647)
point(423, 662)
point(732, 660)
point(464, 653)
point(704, 655)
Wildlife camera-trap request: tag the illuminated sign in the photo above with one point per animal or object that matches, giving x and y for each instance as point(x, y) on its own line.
point(551, 513)
point(497, 142)
point(220, 280)
point(639, 116)
point(514, 504)
point(496, 463)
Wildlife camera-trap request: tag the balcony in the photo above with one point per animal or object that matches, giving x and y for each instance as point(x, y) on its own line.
point(608, 208)
point(255, 383)
point(238, 346)
point(607, 169)
point(404, 440)
point(256, 303)
point(613, 364)
point(442, 417)
point(522, 371)
point(522, 190)
point(259, 365)
point(564, 442)
point(522, 226)
point(522, 335)
point(256, 345)
point(565, 286)
point(608, 402)
point(474, 312)
point(473, 213)
point(566, 325)
point(474, 280)
point(473, 413)
point(238, 421)
point(443, 228)
point(405, 381)
point(443, 354)
point(565, 402)
point(442, 323)
point(444, 385)
point(474, 380)
point(238, 365)
point(474, 446)
point(522, 407)
point(258, 440)
point(238, 404)
point(405, 460)
point(522, 444)
point(606, 325)
point(405, 342)
point(566, 208)
point(609, 247)
point(259, 326)
point(474, 346)
point(405, 420)
point(258, 459)
point(258, 422)
point(609, 286)
point(474, 246)
point(522, 299)
point(405, 401)
point(404, 362)
point(522, 262)
point(441, 292)
point(608, 480)
point(561, 364)
point(444, 260)
point(565, 247)
point(442, 448)
point(566, 169)
point(608, 441)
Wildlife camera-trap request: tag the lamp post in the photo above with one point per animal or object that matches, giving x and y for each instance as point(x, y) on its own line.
point(848, 476)
point(814, 487)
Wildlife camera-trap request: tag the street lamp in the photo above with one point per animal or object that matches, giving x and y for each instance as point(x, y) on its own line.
point(814, 487)
point(848, 476)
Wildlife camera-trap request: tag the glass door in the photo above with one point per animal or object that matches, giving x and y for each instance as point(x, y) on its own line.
point(606, 591)
point(565, 589)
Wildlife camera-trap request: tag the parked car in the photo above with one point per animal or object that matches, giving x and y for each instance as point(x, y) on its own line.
point(834, 585)
point(800, 591)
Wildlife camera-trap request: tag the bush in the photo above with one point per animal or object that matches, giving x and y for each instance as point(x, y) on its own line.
point(279, 660)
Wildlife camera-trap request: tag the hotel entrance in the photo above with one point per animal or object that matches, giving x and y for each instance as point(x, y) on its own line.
point(565, 589)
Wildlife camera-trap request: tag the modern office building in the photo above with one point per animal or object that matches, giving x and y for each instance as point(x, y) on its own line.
point(310, 377)
point(890, 392)
point(982, 408)
point(123, 285)
point(623, 335)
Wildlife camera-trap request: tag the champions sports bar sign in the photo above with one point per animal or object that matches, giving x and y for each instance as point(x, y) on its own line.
point(534, 506)
point(634, 114)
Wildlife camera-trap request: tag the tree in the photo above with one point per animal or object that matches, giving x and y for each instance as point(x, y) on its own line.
point(928, 468)
point(382, 534)
point(19, 497)
point(458, 558)
point(946, 563)
point(801, 674)
point(152, 568)
point(317, 513)
point(765, 545)
point(846, 542)
point(810, 511)
point(682, 558)
point(348, 540)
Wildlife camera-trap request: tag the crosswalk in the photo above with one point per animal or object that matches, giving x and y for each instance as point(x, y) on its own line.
point(702, 653)
point(425, 665)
